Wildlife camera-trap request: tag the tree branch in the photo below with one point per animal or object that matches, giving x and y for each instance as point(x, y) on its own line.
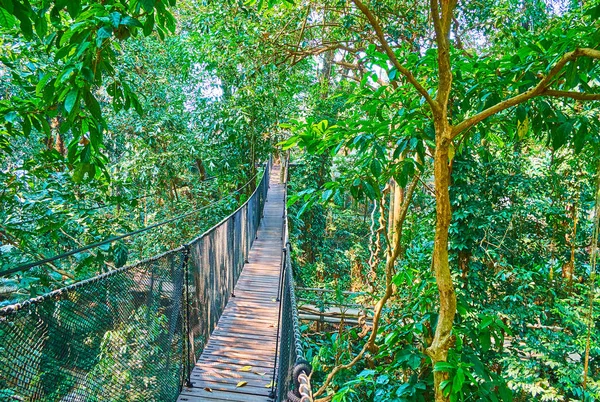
point(540, 89)
point(389, 275)
point(571, 94)
point(390, 52)
point(435, 15)
point(302, 32)
point(442, 24)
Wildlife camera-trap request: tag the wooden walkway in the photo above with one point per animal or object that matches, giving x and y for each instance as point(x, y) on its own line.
point(238, 361)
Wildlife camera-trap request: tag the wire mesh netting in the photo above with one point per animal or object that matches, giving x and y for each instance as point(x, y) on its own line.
point(131, 334)
point(114, 337)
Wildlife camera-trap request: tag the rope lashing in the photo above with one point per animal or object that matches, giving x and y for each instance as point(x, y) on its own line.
point(305, 389)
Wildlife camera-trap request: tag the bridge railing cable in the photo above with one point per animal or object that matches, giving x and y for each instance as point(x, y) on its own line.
point(131, 334)
point(292, 368)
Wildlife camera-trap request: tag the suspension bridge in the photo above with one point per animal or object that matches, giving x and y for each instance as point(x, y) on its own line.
point(213, 320)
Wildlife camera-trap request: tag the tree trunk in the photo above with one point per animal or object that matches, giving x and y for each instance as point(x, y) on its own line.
point(569, 270)
point(201, 169)
point(443, 339)
point(592, 283)
point(464, 262)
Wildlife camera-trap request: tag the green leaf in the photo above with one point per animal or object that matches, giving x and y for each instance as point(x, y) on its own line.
point(115, 19)
point(170, 21)
point(594, 12)
point(41, 25)
point(26, 124)
point(561, 134)
point(402, 177)
point(103, 33)
point(72, 150)
point(580, 138)
point(25, 25)
point(149, 24)
point(63, 52)
point(376, 167)
point(443, 366)
point(458, 380)
point(7, 20)
point(571, 75)
point(136, 104)
point(8, 6)
point(95, 138)
point(392, 73)
point(391, 338)
point(86, 154)
point(446, 387)
point(71, 99)
point(120, 254)
point(10, 117)
point(505, 393)
point(45, 126)
point(78, 173)
point(485, 339)
point(131, 22)
point(74, 8)
point(521, 113)
point(92, 105)
point(147, 5)
point(42, 83)
point(486, 321)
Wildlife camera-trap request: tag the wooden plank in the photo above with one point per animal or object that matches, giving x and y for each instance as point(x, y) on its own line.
point(255, 374)
point(244, 343)
point(243, 336)
point(251, 385)
point(241, 350)
point(242, 358)
point(200, 394)
point(229, 363)
point(234, 316)
point(259, 327)
point(242, 333)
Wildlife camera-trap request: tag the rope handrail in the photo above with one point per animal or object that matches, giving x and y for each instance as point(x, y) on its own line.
point(28, 266)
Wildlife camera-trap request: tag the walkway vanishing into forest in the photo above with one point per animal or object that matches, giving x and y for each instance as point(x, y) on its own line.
point(238, 361)
point(213, 320)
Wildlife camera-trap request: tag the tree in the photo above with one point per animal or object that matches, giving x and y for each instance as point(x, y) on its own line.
point(462, 88)
point(72, 47)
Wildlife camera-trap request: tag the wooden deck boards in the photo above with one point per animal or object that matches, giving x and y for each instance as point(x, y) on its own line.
point(247, 331)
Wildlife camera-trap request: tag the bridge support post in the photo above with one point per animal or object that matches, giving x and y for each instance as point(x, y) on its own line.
point(283, 265)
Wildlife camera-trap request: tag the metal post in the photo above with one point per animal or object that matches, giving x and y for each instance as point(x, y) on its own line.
point(187, 346)
point(283, 260)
